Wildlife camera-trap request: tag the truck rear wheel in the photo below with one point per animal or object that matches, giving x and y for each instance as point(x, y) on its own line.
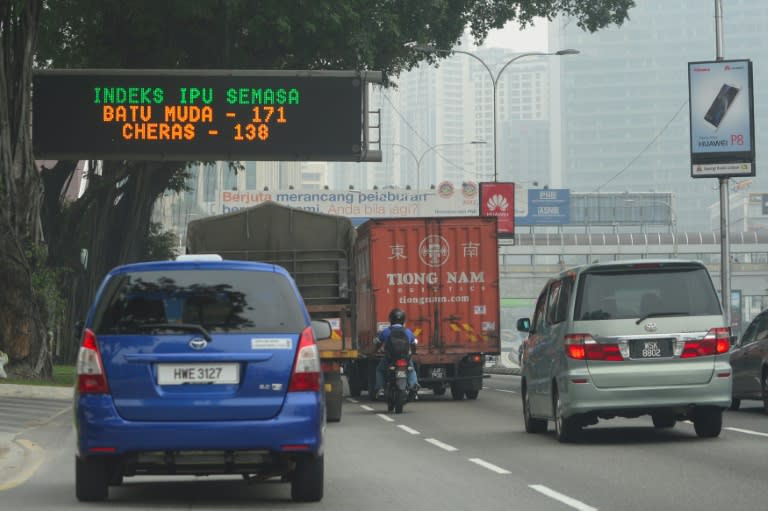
point(457, 392)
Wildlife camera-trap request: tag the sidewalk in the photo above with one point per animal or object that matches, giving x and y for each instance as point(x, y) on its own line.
point(40, 391)
point(17, 457)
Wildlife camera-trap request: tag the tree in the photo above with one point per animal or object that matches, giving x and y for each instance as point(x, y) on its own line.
point(23, 334)
point(111, 221)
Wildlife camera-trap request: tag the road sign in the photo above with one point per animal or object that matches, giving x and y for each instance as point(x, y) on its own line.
point(200, 115)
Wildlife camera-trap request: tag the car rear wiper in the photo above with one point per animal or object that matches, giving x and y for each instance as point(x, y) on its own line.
point(176, 326)
point(660, 314)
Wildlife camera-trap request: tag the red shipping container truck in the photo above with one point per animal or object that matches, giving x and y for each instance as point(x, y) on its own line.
point(444, 273)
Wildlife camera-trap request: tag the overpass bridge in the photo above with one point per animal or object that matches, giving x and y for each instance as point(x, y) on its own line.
point(531, 258)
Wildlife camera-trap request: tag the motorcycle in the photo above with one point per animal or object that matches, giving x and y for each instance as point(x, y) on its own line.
point(396, 389)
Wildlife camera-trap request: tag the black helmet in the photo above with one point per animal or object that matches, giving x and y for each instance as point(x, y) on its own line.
point(397, 316)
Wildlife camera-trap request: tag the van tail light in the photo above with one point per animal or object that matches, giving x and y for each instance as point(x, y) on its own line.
point(585, 347)
point(306, 373)
point(90, 369)
point(716, 342)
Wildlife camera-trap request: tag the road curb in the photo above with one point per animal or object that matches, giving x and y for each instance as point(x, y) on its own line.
point(39, 391)
point(20, 458)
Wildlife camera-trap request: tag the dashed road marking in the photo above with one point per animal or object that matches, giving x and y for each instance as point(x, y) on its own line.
point(565, 499)
point(504, 390)
point(489, 466)
point(408, 430)
point(366, 408)
point(441, 445)
point(385, 417)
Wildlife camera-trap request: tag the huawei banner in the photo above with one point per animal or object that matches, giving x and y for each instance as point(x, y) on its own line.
point(722, 118)
point(498, 199)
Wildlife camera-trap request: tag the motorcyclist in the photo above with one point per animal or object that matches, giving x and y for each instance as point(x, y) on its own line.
point(396, 320)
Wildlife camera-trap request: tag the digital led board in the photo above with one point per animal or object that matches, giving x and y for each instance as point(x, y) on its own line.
point(200, 115)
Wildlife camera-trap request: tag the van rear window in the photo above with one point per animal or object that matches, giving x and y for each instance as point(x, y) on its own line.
point(635, 293)
point(219, 300)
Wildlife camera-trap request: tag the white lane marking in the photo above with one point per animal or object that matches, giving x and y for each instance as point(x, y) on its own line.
point(385, 417)
point(565, 499)
point(747, 431)
point(503, 390)
point(441, 445)
point(408, 430)
point(352, 400)
point(489, 466)
point(366, 407)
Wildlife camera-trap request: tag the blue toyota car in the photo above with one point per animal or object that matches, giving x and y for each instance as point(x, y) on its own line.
point(199, 366)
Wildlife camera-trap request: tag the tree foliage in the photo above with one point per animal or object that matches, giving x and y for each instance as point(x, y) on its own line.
point(161, 245)
point(298, 34)
point(111, 222)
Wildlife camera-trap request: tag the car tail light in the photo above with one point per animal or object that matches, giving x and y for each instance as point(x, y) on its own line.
point(306, 369)
point(585, 347)
point(90, 369)
point(716, 342)
point(401, 362)
point(476, 358)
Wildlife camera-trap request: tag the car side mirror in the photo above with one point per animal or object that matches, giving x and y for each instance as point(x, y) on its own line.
point(322, 329)
point(524, 325)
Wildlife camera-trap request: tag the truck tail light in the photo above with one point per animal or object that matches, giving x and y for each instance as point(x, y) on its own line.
point(585, 347)
point(306, 369)
point(716, 342)
point(90, 369)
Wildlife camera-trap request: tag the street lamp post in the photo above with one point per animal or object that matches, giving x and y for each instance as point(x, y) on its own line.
point(420, 158)
point(495, 82)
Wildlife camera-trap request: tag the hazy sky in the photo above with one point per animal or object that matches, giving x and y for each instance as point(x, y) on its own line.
point(531, 39)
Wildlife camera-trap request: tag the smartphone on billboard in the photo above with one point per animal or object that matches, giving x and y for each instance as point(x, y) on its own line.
point(721, 104)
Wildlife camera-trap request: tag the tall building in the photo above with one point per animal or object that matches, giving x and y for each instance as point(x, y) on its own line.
point(437, 124)
point(625, 117)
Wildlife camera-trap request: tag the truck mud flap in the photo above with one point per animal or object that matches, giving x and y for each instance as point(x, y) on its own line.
point(333, 396)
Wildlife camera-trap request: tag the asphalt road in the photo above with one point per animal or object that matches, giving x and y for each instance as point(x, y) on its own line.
point(442, 454)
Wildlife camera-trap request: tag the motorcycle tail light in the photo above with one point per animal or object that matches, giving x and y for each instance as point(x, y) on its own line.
point(401, 362)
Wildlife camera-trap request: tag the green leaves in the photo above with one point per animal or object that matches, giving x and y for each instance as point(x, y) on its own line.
point(300, 34)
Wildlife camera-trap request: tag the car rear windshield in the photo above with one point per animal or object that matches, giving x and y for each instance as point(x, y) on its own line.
point(637, 292)
point(219, 300)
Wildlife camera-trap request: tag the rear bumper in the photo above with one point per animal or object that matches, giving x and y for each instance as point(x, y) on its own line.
point(298, 428)
point(580, 398)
